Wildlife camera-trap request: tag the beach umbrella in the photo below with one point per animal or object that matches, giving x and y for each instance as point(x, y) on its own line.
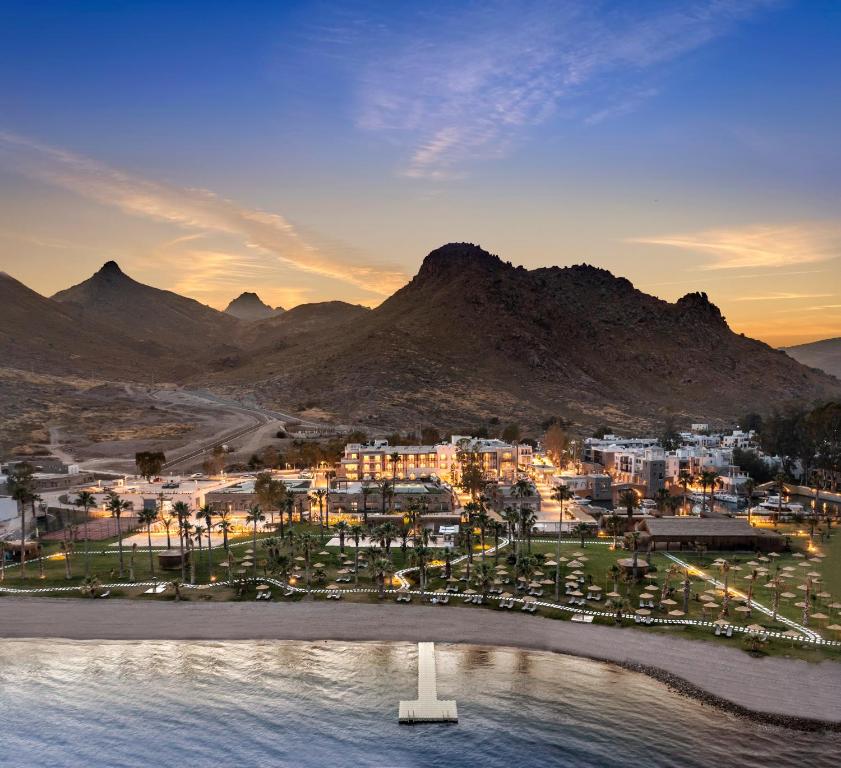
point(583, 559)
point(240, 571)
point(751, 562)
point(755, 629)
point(226, 564)
point(538, 573)
point(300, 558)
point(820, 616)
point(470, 592)
point(594, 588)
point(736, 568)
point(577, 554)
point(324, 552)
point(834, 606)
point(706, 598)
point(506, 595)
point(798, 554)
point(773, 554)
point(742, 609)
point(249, 551)
point(319, 565)
point(668, 601)
point(577, 573)
point(529, 599)
point(763, 559)
point(547, 582)
point(801, 604)
point(563, 559)
point(577, 593)
point(550, 563)
point(676, 613)
point(643, 612)
point(802, 587)
point(792, 634)
point(333, 586)
point(788, 595)
point(646, 596)
point(814, 575)
point(711, 592)
point(613, 594)
point(710, 606)
point(835, 627)
point(824, 595)
point(804, 564)
point(263, 587)
point(721, 622)
point(343, 570)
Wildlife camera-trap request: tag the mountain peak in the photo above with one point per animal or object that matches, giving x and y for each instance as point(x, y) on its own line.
point(111, 268)
point(248, 306)
point(458, 257)
point(698, 304)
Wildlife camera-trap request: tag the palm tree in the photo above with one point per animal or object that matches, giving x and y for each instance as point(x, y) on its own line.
point(498, 529)
point(147, 517)
point(629, 499)
point(167, 524)
point(206, 513)
point(381, 569)
point(724, 568)
point(687, 586)
point(632, 538)
point(67, 550)
point(318, 496)
point(511, 517)
point(707, 477)
point(483, 520)
point(366, 492)
point(684, 480)
point(613, 525)
point(421, 555)
point(780, 480)
point(483, 575)
point(182, 512)
point(394, 457)
point(356, 536)
point(116, 506)
point(342, 529)
point(21, 494)
point(522, 490)
point(86, 500)
point(527, 520)
point(307, 542)
point(581, 530)
point(255, 515)
point(561, 494)
point(198, 533)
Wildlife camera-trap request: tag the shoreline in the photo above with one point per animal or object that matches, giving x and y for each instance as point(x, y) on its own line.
point(788, 693)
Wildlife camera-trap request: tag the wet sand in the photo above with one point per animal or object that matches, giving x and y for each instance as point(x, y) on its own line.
point(783, 691)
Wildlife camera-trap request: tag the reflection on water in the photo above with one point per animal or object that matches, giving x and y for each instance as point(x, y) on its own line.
point(333, 704)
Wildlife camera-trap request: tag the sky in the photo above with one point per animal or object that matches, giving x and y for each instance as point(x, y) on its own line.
point(319, 150)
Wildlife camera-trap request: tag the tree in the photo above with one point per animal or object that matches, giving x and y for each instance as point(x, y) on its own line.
point(629, 499)
point(381, 570)
point(684, 479)
point(366, 491)
point(511, 518)
point(430, 436)
point(116, 506)
point(182, 512)
point(206, 513)
point(707, 478)
point(318, 496)
point(394, 458)
point(561, 494)
point(581, 530)
point(147, 517)
point(670, 439)
point(483, 575)
point(511, 433)
point(421, 555)
point(21, 484)
point(356, 537)
point(270, 493)
point(556, 443)
point(342, 529)
point(613, 525)
point(255, 515)
point(86, 500)
point(149, 463)
point(215, 463)
point(750, 422)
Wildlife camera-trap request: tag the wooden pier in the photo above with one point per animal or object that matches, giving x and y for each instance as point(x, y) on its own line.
point(427, 708)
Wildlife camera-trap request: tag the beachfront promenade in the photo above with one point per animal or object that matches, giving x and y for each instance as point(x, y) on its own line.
point(771, 685)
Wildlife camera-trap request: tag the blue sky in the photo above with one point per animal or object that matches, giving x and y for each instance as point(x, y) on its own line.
point(319, 150)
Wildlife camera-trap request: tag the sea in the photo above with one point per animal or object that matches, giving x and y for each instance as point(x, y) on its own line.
point(329, 704)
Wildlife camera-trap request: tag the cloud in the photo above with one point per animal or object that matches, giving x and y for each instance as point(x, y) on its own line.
point(460, 86)
point(784, 296)
point(268, 234)
point(759, 246)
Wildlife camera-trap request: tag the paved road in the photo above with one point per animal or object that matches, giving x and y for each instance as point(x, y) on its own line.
point(771, 685)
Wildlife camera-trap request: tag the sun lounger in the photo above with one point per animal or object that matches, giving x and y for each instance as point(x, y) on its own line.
point(729, 631)
point(289, 593)
point(105, 594)
point(445, 599)
point(717, 630)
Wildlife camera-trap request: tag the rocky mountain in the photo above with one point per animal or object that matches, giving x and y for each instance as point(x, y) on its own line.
point(469, 338)
point(42, 336)
point(472, 336)
point(824, 355)
point(247, 306)
point(151, 315)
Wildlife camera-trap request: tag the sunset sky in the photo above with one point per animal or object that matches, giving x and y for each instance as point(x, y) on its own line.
point(318, 150)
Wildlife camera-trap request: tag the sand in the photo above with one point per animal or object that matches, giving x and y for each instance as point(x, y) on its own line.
point(774, 688)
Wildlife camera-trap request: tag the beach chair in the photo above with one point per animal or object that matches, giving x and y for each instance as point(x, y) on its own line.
point(729, 631)
point(445, 599)
point(106, 593)
point(717, 630)
point(289, 593)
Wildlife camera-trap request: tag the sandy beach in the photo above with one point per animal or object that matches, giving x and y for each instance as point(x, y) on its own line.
point(773, 688)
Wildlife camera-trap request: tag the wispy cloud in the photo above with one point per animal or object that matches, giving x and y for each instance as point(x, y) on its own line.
point(758, 246)
point(784, 296)
point(268, 234)
point(461, 86)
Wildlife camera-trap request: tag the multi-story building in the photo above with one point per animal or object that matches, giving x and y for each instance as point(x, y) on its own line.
point(362, 498)
point(377, 459)
point(595, 485)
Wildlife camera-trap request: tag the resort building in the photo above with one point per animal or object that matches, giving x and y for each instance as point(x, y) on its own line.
point(377, 459)
point(503, 495)
point(597, 486)
point(427, 498)
point(239, 496)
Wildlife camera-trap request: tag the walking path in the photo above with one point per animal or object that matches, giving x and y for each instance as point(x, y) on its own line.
point(786, 688)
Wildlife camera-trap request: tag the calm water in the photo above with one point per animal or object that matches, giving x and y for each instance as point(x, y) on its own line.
point(335, 705)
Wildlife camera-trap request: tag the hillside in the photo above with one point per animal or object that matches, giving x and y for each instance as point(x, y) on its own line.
point(472, 337)
point(151, 315)
point(45, 336)
point(824, 355)
point(248, 306)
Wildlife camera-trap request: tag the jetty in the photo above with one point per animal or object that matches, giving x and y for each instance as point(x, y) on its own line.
point(427, 708)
